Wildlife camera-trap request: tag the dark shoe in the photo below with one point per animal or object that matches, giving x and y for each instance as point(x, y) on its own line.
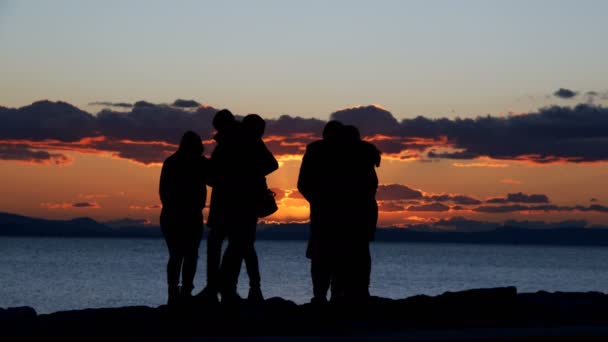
point(255, 295)
point(173, 297)
point(208, 295)
point(231, 297)
point(185, 295)
point(318, 300)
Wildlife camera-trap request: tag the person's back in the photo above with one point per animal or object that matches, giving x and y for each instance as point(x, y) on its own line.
point(359, 212)
point(182, 185)
point(318, 182)
point(182, 192)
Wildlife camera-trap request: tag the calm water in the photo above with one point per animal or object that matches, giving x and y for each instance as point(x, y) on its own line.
point(52, 274)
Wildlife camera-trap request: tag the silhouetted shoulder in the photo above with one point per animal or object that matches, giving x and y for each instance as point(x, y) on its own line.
point(316, 144)
point(371, 152)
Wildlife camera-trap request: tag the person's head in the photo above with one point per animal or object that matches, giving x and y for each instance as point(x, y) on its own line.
point(255, 124)
point(191, 143)
point(351, 133)
point(332, 130)
point(223, 119)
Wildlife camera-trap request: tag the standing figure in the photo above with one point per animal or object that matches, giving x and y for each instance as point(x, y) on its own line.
point(360, 182)
point(338, 178)
point(254, 127)
point(237, 166)
point(317, 182)
point(182, 193)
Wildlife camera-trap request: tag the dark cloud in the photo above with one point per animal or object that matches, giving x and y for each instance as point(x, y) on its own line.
point(370, 120)
point(145, 207)
point(390, 206)
point(553, 134)
point(593, 200)
point(520, 198)
point(393, 192)
point(501, 208)
point(46, 120)
point(546, 208)
point(462, 224)
point(286, 125)
point(85, 205)
point(465, 200)
point(458, 199)
point(111, 104)
point(185, 103)
point(593, 207)
point(143, 104)
point(429, 207)
point(22, 153)
point(564, 93)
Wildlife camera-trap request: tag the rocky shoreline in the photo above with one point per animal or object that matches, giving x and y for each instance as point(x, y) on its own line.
point(480, 314)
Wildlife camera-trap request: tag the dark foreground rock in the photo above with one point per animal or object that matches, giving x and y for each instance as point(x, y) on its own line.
point(483, 314)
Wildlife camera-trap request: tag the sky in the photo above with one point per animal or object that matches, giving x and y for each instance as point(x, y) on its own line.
point(510, 97)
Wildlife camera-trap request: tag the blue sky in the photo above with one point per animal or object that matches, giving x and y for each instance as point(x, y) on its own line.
point(433, 58)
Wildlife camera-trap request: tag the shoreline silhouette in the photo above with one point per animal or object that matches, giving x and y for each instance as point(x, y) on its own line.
point(489, 314)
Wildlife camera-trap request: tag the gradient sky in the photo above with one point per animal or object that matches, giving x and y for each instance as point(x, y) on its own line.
point(434, 58)
point(430, 58)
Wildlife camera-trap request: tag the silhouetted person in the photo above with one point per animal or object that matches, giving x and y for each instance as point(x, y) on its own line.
point(358, 162)
point(237, 168)
point(316, 182)
point(224, 123)
point(254, 127)
point(182, 193)
point(338, 178)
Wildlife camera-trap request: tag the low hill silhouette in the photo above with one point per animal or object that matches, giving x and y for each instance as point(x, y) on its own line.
point(17, 225)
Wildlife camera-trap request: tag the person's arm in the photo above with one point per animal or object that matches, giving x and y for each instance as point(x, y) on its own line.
point(305, 179)
point(164, 186)
point(268, 162)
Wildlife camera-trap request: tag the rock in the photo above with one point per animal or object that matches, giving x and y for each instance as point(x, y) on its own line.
point(466, 312)
point(18, 321)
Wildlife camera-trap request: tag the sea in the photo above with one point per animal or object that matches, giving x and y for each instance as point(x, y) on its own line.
point(56, 274)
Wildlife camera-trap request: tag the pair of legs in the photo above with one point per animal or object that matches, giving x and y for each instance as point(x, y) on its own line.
point(346, 273)
point(222, 274)
point(183, 233)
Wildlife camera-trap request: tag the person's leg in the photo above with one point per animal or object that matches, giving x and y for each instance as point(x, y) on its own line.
point(339, 278)
point(361, 269)
point(241, 237)
point(320, 273)
point(358, 272)
point(366, 270)
point(214, 253)
point(173, 270)
point(190, 261)
point(253, 269)
point(174, 263)
point(230, 268)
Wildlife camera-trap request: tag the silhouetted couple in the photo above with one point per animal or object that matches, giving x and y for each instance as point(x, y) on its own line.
point(236, 172)
point(338, 178)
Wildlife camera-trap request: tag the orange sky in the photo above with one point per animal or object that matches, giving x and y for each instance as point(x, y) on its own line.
point(117, 188)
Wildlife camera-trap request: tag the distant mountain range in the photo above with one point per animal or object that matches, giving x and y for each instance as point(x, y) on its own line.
point(17, 225)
